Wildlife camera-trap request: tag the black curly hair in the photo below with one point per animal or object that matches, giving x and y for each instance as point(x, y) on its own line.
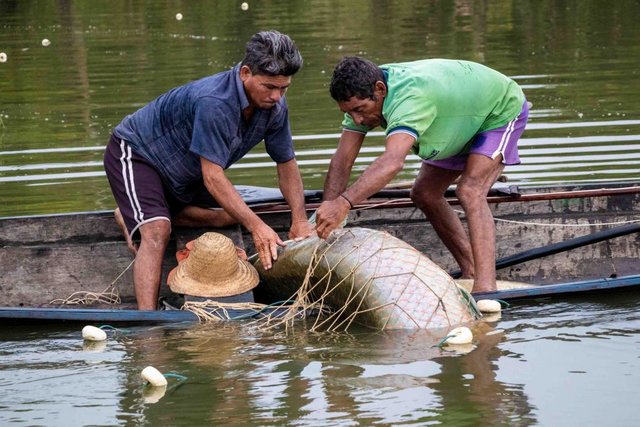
point(354, 76)
point(272, 53)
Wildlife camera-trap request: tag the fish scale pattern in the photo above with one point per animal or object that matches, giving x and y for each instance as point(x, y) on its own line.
point(377, 279)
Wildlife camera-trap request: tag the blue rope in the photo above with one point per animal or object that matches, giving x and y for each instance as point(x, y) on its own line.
point(174, 375)
point(116, 331)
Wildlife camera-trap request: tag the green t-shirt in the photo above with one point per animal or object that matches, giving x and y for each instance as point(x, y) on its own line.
point(443, 103)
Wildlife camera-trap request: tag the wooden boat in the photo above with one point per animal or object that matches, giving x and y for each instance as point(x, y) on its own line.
point(562, 239)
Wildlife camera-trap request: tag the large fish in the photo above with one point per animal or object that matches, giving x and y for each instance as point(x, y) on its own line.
point(371, 278)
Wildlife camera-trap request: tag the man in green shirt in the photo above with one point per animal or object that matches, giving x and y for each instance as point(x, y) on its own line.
point(462, 118)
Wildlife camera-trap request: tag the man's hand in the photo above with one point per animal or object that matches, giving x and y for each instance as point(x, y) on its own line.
point(266, 241)
point(301, 230)
point(330, 215)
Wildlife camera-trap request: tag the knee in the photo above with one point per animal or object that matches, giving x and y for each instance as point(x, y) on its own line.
point(469, 191)
point(424, 198)
point(155, 234)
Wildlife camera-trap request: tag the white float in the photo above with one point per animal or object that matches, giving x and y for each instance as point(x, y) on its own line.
point(244, 6)
point(489, 306)
point(91, 333)
point(45, 42)
point(461, 335)
point(492, 317)
point(3, 57)
point(179, 16)
point(153, 377)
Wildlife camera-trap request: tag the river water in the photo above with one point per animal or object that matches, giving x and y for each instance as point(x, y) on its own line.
point(560, 362)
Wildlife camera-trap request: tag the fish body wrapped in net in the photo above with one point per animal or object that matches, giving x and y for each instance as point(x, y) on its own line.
point(368, 277)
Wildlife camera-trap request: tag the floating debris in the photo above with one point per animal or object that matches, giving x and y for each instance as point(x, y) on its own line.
point(91, 333)
point(3, 57)
point(244, 6)
point(179, 16)
point(45, 42)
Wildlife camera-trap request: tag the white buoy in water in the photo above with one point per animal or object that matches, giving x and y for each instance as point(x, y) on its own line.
point(3, 57)
point(153, 377)
point(91, 333)
point(45, 42)
point(244, 6)
point(492, 317)
point(489, 306)
point(179, 16)
point(461, 335)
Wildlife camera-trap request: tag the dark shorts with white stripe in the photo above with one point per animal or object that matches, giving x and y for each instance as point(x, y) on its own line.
point(138, 188)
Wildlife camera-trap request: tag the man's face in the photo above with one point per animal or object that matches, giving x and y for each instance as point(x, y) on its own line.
point(368, 111)
point(263, 91)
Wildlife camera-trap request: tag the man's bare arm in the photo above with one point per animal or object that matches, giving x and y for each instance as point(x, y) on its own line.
point(290, 183)
point(342, 163)
point(266, 240)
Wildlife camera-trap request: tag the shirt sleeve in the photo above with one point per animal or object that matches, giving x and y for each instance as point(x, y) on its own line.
point(349, 124)
point(278, 140)
point(211, 136)
point(410, 114)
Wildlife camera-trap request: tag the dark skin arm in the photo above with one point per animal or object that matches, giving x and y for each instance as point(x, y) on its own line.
point(290, 183)
point(265, 239)
point(342, 163)
point(333, 211)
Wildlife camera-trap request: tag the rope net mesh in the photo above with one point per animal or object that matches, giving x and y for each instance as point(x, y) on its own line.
point(367, 277)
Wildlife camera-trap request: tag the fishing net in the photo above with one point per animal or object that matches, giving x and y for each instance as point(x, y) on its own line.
point(216, 311)
point(367, 277)
point(110, 295)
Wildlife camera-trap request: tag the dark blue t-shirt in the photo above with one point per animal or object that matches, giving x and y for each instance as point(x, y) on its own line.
point(204, 118)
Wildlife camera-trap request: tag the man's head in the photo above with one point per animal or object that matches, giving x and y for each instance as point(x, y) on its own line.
point(358, 87)
point(271, 58)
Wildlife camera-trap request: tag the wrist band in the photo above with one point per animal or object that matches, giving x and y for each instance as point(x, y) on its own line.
point(348, 201)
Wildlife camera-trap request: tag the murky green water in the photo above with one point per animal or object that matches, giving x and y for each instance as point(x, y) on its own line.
point(567, 362)
point(577, 61)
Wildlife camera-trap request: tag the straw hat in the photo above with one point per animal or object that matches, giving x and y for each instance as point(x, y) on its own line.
point(213, 269)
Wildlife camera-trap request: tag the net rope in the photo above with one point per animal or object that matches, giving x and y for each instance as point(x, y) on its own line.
point(110, 295)
point(314, 291)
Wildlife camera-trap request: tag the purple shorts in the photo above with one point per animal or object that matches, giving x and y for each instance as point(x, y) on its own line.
point(138, 188)
point(492, 143)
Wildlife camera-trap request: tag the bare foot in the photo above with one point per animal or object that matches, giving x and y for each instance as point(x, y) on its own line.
point(120, 221)
point(478, 287)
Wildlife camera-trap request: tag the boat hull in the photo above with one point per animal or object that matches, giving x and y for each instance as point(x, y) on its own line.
point(44, 258)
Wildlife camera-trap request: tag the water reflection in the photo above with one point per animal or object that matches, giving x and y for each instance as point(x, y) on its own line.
point(238, 374)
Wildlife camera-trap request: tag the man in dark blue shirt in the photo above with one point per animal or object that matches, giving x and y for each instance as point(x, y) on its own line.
point(167, 160)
